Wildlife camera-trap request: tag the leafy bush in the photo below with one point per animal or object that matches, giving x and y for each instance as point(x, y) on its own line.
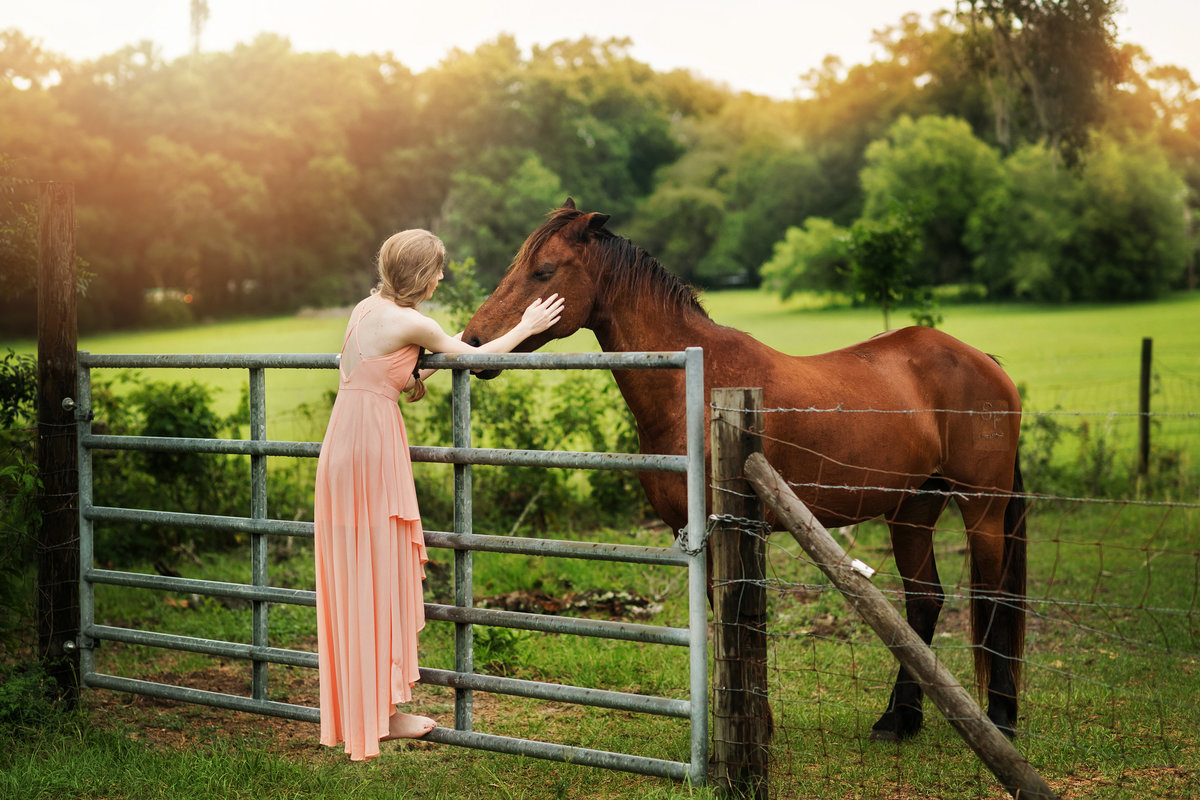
point(27, 698)
point(1079, 458)
point(19, 515)
point(127, 404)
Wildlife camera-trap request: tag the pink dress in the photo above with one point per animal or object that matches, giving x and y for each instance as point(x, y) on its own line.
point(370, 550)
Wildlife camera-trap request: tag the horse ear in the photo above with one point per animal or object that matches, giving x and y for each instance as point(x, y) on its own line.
point(570, 203)
point(597, 221)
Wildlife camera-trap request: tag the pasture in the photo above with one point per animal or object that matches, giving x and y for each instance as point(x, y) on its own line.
point(1113, 659)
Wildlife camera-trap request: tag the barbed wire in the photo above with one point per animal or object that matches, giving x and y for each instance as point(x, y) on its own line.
point(839, 409)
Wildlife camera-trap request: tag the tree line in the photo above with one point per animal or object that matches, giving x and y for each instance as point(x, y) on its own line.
point(1016, 146)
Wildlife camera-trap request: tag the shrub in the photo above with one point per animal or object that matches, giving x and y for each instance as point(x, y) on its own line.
point(19, 515)
point(27, 698)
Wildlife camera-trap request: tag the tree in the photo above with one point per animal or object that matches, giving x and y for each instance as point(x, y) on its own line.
point(1114, 229)
point(492, 206)
point(881, 257)
point(815, 257)
point(18, 255)
point(679, 225)
point(937, 170)
point(1048, 65)
point(199, 13)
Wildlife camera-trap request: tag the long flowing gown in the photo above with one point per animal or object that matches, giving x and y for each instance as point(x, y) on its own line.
point(370, 550)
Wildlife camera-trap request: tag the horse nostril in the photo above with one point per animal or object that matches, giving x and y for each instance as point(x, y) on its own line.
point(474, 341)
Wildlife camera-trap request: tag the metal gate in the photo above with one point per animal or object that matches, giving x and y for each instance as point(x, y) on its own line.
point(462, 540)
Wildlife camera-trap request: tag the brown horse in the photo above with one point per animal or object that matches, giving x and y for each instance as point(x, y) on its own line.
point(899, 425)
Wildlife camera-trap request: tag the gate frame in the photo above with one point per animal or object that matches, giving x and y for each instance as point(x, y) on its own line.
point(462, 540)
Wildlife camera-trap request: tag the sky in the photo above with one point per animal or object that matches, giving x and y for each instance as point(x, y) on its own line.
point(762, 46)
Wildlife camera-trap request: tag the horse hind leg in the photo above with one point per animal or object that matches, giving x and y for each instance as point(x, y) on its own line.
point(912, 526)
point(996, 531)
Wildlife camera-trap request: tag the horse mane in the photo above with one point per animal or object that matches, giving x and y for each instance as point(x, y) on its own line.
point(632, 271)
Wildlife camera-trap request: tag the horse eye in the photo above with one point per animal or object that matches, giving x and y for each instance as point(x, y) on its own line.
point(544, 272)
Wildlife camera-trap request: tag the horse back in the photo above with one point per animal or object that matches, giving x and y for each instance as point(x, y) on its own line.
point(853, 428)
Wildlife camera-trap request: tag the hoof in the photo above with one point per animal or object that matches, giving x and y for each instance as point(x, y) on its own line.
point(893, 727)
point(1004, 718)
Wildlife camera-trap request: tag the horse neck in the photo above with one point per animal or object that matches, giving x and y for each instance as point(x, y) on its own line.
point(644, 325)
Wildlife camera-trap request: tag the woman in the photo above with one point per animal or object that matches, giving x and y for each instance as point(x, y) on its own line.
point(369, 543)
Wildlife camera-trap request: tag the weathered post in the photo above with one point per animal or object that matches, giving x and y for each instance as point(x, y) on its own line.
point(741, 712)
point(58, 538)
point(1144, 409)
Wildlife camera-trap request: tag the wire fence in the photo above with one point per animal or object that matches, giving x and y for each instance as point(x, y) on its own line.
point(1108, 702)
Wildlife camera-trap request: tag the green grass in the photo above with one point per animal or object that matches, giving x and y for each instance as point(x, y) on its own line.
point(1109, 708)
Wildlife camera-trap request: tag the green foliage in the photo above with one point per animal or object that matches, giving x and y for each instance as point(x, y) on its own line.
point(491, 203)
point(1049, 65)
point(680, 226)
point(18, 252)
point(814, 257)
point(716, 212)
point(189, 482)
point(19, 485)
point(881, 257)
point(27, 698)
point(261, 180)
point(937, 169)
point(18, 389)
point(1114, 229)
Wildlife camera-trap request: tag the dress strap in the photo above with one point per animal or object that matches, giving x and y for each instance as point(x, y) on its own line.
point(361, 310)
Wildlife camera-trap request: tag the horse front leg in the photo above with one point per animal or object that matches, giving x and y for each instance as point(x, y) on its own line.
point(912, 545)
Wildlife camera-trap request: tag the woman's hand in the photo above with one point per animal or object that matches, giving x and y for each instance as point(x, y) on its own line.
point(542, 314)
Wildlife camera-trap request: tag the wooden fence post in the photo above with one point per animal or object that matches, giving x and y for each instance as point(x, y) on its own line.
point(959, 708)
point(58, 538)
point(1144, 408)
point(741, 713)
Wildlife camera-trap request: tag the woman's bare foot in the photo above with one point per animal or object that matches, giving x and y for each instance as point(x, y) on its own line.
point(407, 726)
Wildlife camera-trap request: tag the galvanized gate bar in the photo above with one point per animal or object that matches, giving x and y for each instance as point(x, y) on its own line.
point(561, 752)
point(547, 623)
point(464, 581)
point(641, 360)
point(605, 629)
point(620, 701)
point(697, 566)
point(596, 551)
point(566, 459)
point(209, 360)
point(212, 647)
point(142, 580)
point(185, 694)
point(183, 444)
point(565, 548)
point(462, 541)
point(183, 519)
point(258, 539)
point(87, 590)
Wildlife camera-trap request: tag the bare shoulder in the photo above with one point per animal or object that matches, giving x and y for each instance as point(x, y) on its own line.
point(389, 328)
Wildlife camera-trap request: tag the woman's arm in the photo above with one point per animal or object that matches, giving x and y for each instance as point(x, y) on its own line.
point(539, 316)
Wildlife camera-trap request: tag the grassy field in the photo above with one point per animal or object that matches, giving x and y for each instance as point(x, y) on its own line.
point(1113, 661)
point(1079, 358)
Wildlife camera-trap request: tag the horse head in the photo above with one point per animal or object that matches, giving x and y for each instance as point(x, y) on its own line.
point(554, 259)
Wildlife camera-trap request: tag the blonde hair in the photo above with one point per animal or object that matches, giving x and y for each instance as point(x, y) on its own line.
point(409, 261)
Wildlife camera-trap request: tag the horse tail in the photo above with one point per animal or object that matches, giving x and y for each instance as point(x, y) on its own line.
point(998, 622)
